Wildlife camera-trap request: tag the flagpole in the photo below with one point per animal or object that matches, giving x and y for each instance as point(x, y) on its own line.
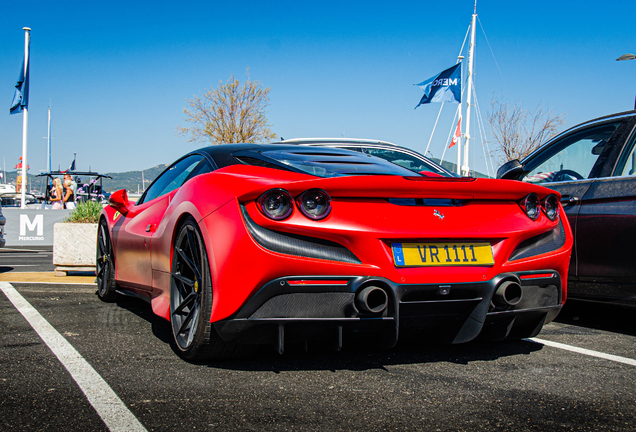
point(471, 58)
point(25, 122)
point(48, 147)
point(459, 108)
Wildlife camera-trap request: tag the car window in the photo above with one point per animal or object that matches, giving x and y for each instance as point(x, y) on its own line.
point(204, 167)
point(627, 163)
point(171, 179)
point(403, 159)
point(571, 158)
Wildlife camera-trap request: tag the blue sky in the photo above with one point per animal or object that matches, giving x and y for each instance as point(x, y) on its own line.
point(117, 73)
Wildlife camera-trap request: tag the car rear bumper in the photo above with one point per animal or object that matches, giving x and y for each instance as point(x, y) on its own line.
point(306, 307)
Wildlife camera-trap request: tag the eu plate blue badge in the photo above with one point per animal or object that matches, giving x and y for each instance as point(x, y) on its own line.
point(398, 254)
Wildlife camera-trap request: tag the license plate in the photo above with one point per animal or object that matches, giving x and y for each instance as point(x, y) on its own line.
point(442, 254)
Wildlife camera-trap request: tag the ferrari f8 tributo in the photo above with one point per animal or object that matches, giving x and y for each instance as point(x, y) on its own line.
point(247, 244)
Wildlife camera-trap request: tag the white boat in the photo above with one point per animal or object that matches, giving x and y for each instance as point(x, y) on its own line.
point(6, 188)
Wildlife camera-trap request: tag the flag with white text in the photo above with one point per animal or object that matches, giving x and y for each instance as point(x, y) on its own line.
point(443, 87)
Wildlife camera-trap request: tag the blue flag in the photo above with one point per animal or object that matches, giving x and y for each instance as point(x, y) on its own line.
point(444, 87)
point(21, 95)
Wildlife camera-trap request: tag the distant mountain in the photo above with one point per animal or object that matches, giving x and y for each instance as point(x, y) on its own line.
point(130, 180)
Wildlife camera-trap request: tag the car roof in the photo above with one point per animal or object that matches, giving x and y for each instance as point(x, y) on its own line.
point(337, 141)
point(224, 155)
point(271, 155)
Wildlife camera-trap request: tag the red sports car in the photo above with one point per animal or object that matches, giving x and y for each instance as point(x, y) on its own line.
point(248, 244)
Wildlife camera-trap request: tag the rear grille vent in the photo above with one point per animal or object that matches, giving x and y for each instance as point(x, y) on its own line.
point(540, 244)
point(291, 244)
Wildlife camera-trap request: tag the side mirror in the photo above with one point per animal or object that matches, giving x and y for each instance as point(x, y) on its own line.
point(511, 170)
point(119, 201)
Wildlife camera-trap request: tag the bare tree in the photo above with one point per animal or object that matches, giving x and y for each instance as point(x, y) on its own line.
point(233, 113)
point(518, 131)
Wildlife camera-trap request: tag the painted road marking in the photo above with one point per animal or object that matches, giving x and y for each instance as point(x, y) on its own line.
point(23, 251)
point(25, 254)
point(108, 405)
point(584, 351)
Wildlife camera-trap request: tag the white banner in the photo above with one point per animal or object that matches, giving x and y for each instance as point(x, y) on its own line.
point(31, 227)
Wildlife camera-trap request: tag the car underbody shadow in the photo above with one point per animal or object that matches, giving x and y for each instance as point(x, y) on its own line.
point(160, 327)
point(359, 351)
point(599, 316)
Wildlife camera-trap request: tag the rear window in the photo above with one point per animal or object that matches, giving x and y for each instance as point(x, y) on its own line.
point(403, 159)
point(322, 163)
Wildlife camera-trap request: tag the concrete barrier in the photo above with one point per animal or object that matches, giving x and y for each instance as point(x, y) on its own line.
point(74, 247)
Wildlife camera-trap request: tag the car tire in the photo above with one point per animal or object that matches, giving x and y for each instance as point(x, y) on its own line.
point(105, 265)
point(191, 300)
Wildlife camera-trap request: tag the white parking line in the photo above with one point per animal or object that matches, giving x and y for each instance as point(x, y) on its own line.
point(23, 251)
point(107, 404)
point(25, 254)
point(584, 351)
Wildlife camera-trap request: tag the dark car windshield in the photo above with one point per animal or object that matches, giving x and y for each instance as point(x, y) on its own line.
point(322, 162)
point(404, 159)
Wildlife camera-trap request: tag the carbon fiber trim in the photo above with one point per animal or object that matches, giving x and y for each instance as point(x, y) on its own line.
point(303, 246)
point(537, 245)
point(308, 305)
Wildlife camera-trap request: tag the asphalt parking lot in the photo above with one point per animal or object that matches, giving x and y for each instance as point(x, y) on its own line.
point(419, 385)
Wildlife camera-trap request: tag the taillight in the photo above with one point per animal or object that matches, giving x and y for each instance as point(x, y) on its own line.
point(551, 207)
point(531, 206)
point(276, 204)
point(315, 204)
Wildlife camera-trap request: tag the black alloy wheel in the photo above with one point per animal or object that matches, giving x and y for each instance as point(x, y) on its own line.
point(191, 301)
point(105, 265)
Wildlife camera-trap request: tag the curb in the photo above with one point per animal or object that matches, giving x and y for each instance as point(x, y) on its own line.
point(46, 277)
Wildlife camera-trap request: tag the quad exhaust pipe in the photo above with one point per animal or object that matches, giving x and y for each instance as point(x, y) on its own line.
point(371, 300)
point(508, 293)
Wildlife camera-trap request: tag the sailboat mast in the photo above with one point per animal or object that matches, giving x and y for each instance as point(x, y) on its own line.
point(48, 147)
point(471, 58)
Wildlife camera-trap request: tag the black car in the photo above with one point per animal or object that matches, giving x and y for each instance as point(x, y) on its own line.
point(402, 156)
point(2, 223)
point(593, 166)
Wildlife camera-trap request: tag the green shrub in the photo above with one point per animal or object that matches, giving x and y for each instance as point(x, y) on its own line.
point(85, 212)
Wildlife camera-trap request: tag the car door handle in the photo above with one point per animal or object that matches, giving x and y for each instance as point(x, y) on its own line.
point(569, 200)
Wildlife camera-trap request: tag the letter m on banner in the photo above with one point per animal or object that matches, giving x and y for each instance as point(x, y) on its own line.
point(26, 224)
